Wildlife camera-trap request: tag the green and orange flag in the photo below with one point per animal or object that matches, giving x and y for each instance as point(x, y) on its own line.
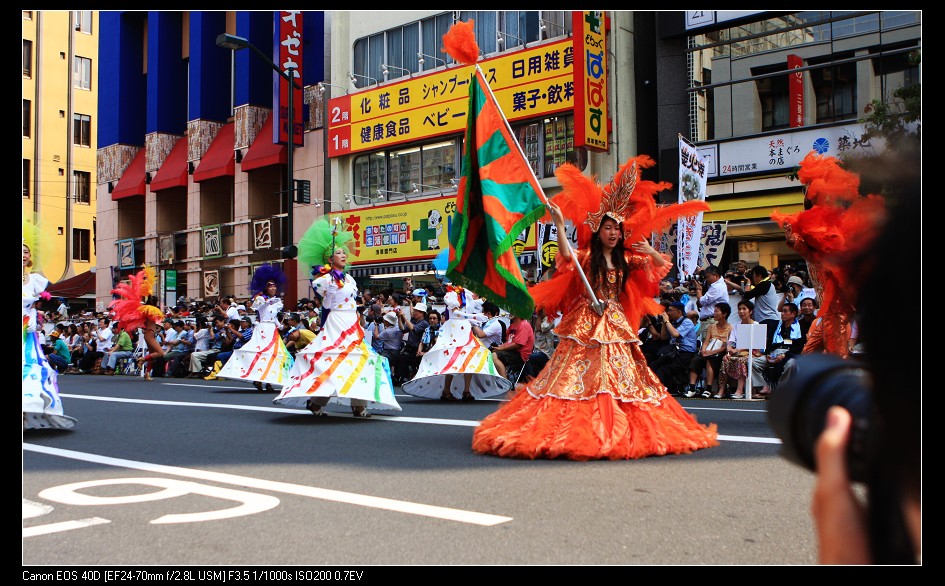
point(498, 197)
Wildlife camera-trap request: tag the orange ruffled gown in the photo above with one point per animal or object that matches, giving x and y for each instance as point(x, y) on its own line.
point(595, 399)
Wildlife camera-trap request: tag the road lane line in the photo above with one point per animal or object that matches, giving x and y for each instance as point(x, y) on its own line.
point(363, 500)
point(64, 526)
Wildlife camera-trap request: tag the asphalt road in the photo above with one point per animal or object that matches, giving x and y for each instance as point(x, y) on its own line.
point(180, 472)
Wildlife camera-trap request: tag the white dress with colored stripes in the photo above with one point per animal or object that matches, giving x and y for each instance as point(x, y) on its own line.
point(337, 363)
point(457, 352)
point(264, 357)
point(42, 408)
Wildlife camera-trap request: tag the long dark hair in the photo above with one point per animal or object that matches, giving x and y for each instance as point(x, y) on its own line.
point(598, 264)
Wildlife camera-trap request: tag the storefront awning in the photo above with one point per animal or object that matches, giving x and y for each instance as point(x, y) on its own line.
point(132, 180)
point(219, 160)
point(173, 173)
point(263, 152)
point(393, 270)
point(79, 286)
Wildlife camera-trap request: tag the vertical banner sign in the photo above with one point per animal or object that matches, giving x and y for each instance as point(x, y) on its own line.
point(711, 244)
point(169, 288)
point(796, 89)
point(590, 80)
point(289, 49)
point(547, 244)
point(692, 180)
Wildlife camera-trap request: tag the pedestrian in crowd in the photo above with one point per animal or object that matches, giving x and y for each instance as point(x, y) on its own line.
point(517, 347)
point(715, 293)
point(263, 359)
point(122, 348)
point(596, 394)
point(337, 366)
point(711, 352)
point(764, 296)
point(735, 361)
point(785, 343)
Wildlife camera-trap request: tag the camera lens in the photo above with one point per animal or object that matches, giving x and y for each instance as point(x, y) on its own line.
point(798, 410)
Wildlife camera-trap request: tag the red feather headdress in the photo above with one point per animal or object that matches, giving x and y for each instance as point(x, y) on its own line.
point(132, 313)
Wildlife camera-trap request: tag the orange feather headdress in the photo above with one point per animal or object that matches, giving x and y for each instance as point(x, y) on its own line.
point(130, 310)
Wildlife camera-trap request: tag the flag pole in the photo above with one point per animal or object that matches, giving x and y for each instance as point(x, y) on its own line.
point(596, 304)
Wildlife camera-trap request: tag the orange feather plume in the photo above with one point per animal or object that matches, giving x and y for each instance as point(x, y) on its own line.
point(460, 43)
point(129, 310)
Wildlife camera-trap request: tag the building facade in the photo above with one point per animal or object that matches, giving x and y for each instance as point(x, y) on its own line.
point(192, 179)
point(60, 98)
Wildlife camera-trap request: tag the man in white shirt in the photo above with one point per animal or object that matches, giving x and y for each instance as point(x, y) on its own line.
point(103, 336)
point(716, 292)
point(491, 332)
point(229, 309)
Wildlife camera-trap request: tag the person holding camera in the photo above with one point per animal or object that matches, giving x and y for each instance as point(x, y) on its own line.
point(764, 295)
point(680, 332)
point(414, 327)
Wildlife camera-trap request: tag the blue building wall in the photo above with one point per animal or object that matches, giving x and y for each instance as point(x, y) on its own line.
point(122, 84)
point(167, 74)
point(209, 68)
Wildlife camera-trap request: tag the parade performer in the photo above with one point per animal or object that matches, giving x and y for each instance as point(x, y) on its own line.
point(337, 366)
point(264, 359)
point(42, 408)
point(457, 351)
point(835, 225)
point(597, 398)
point(136, 307)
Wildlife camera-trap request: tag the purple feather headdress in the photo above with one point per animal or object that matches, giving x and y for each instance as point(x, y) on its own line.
point(262, 277)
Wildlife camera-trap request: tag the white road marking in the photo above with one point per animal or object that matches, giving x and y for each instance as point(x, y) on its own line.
point(64, 526)
point(31, 509)
point(379, 416)
point(445, 513)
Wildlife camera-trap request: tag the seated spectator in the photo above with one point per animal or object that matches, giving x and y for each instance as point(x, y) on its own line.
point(711, 353)
point(735, 361)
point(543, 327)
point(517, 348)
point(785, 343)
point(121, 348)
point(680, 332)
point(207, 343)
point(297, 336)
point(180, 348)
point(59, 356)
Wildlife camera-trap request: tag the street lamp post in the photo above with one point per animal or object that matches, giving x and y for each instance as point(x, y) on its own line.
point(289, 252)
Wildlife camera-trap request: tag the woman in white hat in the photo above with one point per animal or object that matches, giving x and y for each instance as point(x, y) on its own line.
point(457, 351)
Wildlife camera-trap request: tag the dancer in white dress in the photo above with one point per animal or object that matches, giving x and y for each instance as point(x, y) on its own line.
point(264, 359)
point(42, 408)
point(337, 366)
point(457, 351)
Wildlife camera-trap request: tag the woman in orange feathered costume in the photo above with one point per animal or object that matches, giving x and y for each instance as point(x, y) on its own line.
point(135, 308)
point(597, 398)
point(835, 225)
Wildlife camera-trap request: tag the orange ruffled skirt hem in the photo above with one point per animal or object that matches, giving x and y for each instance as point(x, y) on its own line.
point(601, 427)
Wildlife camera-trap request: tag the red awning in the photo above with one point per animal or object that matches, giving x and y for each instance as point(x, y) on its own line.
point(74, 287)
point(263, 152)
point(219, 160)
point(173, 173)
point(132, 180)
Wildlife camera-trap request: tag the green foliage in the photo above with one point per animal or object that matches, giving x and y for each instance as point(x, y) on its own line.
point(893, 120)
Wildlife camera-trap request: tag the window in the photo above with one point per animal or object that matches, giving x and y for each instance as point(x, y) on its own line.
point(27, 58)
point(549, 143)
point(26, 178)
point(81, 244)
point(27, 118)
point(27, 15)
point(82, 129)
point(835, 89)
point(82, 73)
point(401, 47)
point(415, 169)
point(775, 102)
point(81, 186)
point(83, 21)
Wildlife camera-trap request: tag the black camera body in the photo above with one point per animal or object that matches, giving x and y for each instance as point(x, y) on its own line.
point(797, 411)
